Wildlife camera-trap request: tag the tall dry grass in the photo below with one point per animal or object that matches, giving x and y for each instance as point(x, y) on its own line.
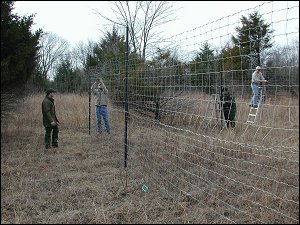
point(197, 171)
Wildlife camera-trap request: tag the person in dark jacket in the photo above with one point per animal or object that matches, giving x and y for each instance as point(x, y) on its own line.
point(229, 107)
point(50, 120)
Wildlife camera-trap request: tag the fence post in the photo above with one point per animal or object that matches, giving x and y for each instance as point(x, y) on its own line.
point(89, 91)
point(126, 98)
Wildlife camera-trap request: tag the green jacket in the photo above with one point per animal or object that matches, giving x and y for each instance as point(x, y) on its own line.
point(48, 110)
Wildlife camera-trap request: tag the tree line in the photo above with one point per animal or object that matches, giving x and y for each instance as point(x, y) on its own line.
point(43, 59)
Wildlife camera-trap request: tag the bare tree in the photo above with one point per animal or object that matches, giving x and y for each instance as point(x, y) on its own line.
point(283, 67)
point(142, 17)
point(52, 49)
point(80, 54)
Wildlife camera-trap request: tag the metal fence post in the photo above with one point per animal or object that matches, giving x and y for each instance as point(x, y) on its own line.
point(126, 98)
point(89, 91)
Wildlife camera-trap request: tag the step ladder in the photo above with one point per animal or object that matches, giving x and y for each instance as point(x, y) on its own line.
point(252, 117)
point(254, 112)
point(216, 110)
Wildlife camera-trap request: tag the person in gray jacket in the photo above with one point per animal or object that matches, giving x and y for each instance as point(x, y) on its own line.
point(50, 120)
point(101, 93)
point(257, 78)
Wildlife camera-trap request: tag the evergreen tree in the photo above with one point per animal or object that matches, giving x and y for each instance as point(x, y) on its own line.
point(111, 51)
point(204, 69)
point(67, 79)
point(18, 48)
point(254, 36)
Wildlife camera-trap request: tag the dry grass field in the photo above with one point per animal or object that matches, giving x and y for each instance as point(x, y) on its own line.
point(84, 180)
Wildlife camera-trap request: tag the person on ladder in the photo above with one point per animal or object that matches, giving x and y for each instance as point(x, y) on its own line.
point(257, 78)
point(229, 107)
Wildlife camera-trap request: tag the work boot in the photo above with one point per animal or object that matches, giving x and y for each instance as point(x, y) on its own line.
point(47, 146)
point(55, 145)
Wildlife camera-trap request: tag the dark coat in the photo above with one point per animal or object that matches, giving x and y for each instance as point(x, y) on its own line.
point(229, 105)
point(48, 110)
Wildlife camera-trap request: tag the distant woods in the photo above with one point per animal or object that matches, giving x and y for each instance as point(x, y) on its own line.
point(42, 59)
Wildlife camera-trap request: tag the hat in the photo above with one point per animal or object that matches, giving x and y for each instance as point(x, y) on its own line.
point(258, 68)
point(50, 90)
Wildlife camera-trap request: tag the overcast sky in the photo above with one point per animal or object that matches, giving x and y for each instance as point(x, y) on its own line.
point(77, 21)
